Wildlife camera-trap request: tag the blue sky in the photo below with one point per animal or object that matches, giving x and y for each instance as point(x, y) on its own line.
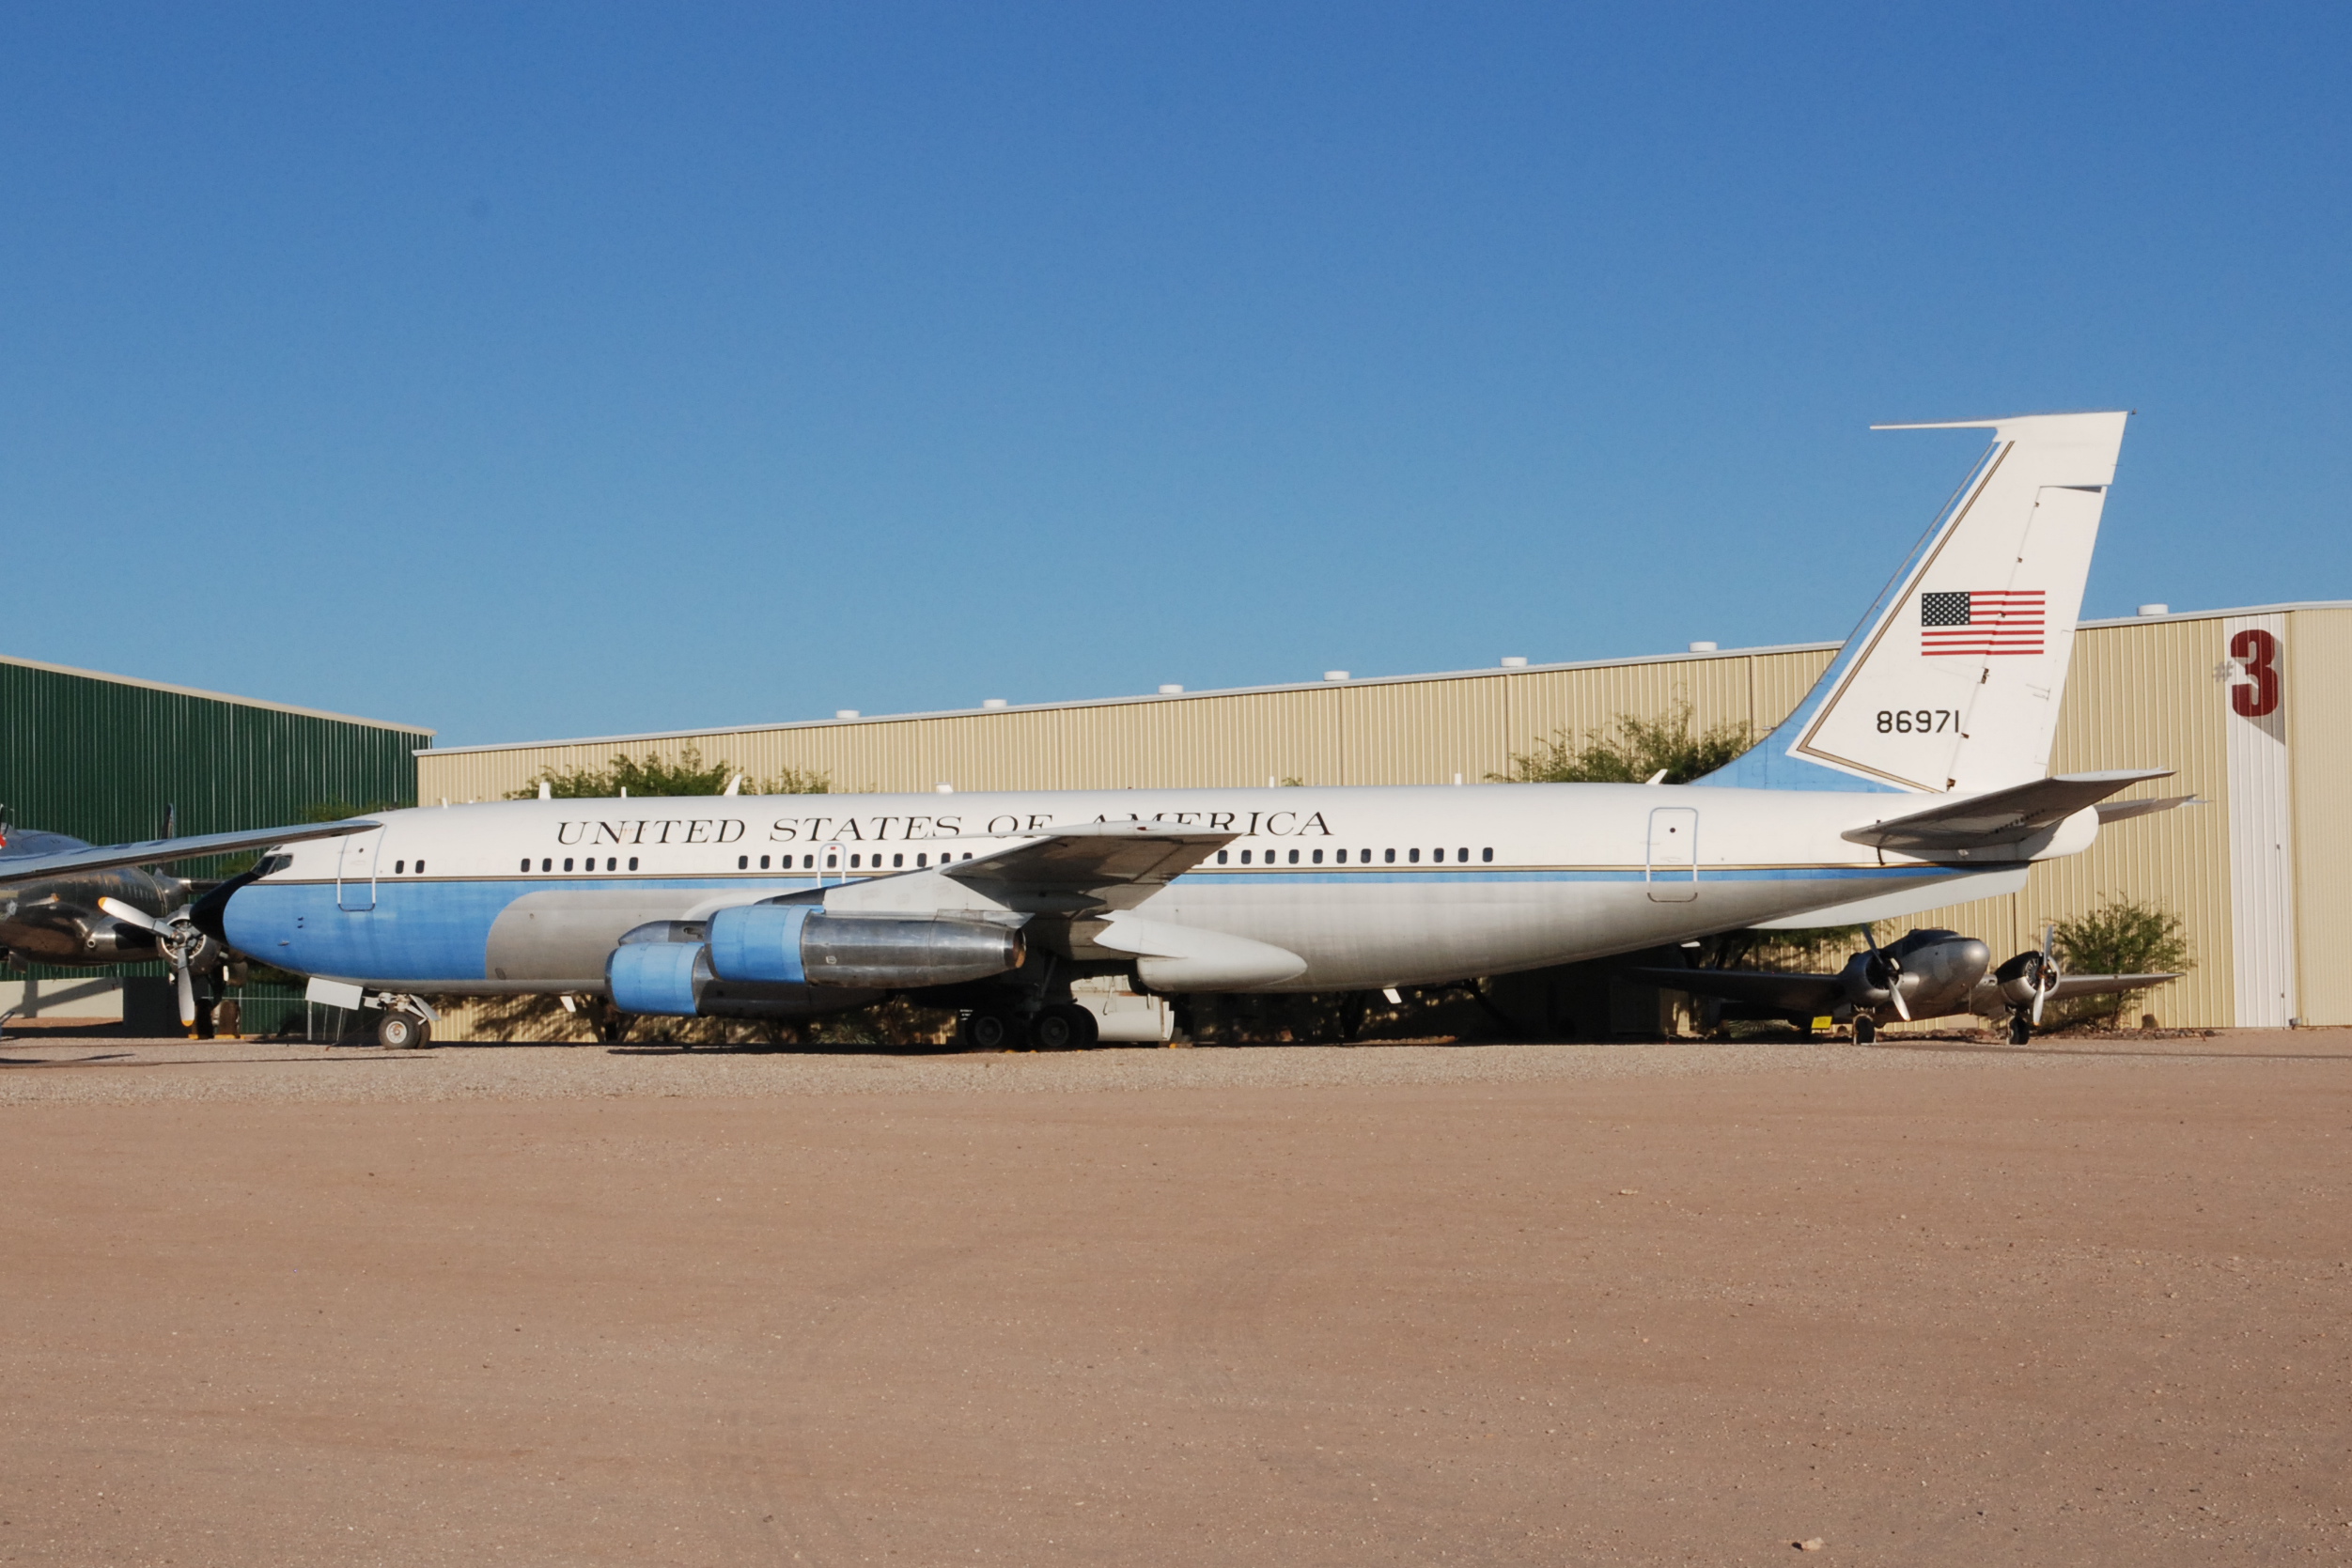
point(527, 371)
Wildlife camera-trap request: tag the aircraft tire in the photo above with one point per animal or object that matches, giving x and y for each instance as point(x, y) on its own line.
point(2021, 1032)
point(1067, 1027)
point(1865, 1030)
point(989, 1030)
point(403, 1032)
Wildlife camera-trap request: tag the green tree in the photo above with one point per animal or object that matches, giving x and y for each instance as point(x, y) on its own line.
point(1638, 751)
point(659, 777)
point(2123, 935)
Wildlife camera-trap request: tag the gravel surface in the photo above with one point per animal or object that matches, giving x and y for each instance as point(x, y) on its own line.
point(123, 1072)
point(1923, 1304)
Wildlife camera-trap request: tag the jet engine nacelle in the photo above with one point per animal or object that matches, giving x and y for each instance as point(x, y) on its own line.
point(652, 973)
point(799, 944)
point(789, 960)
point(663, 969)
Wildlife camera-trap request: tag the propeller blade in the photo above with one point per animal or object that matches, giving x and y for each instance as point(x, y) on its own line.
point(2045, 978)
point(1891, 970)
point(187, 995)
point(131, 915)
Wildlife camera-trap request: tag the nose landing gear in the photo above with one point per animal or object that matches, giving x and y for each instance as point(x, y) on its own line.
point(407, 1023)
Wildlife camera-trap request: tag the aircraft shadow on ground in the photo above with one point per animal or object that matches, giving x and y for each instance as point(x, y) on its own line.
point(1979, 1049)
point(70, 1061)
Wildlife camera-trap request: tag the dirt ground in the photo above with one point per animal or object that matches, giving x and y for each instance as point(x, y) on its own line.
point(1921, 1303)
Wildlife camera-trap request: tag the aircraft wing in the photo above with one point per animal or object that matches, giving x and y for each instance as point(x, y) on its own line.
point(2001, 816)
point(21, 868)
point(1111, 865)
point(1808, 994)
point(2094, 985)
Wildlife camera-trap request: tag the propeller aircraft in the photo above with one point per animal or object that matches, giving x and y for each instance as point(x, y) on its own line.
point(1927, 975)
point(64, 901)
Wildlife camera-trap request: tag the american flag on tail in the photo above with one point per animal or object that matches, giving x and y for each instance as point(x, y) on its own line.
point(1982, 622)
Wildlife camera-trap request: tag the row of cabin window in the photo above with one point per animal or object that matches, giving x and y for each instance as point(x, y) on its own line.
point(857, 863)
point(400, 868)
point(743, 863)
point(923, 858)
point(1412, 857)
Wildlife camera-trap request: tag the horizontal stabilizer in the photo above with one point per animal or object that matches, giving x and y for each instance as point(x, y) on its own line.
point(1809, 994)
point(22, 868)
point(2120, 811)
point(2000, 818)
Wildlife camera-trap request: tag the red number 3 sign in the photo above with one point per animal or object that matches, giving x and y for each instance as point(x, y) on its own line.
point(2258, 652)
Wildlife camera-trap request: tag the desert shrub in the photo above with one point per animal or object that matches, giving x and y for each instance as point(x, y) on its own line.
point(2123, 935)
point(1636, 751)
point(659, 777)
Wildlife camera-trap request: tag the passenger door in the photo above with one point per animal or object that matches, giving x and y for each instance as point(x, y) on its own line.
point(1673, 857)
point(356, 872)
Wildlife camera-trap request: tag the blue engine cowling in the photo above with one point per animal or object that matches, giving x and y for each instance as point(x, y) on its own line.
point(667, 978)
point(800, 945)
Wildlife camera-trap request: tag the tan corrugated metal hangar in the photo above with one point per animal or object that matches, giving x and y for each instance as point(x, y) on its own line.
point(2261, 874)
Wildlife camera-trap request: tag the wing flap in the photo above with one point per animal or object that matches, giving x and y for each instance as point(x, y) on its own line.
point(1107, 864)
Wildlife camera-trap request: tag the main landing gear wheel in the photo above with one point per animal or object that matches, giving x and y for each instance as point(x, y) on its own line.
point(1865, 1030)
point(1064, 1028)
point(2020, 1031)
point(403, 1032)
point(989, 1030)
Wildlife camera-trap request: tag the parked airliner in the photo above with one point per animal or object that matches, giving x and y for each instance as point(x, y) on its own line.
point(1913, 775)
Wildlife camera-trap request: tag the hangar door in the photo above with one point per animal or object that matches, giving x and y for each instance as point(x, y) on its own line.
point(1674, 863)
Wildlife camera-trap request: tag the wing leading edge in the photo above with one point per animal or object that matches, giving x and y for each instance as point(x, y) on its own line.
point(21, 868)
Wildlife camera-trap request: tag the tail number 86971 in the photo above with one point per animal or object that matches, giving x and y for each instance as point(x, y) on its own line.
point(1918, 721)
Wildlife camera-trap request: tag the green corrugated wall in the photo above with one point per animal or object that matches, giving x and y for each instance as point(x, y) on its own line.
point(101, 759)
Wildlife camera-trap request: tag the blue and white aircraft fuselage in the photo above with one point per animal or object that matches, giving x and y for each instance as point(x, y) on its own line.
point(1914, 774)
point(1369, 887)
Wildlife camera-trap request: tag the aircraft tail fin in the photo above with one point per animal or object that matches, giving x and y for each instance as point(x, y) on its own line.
point(1952, 681)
